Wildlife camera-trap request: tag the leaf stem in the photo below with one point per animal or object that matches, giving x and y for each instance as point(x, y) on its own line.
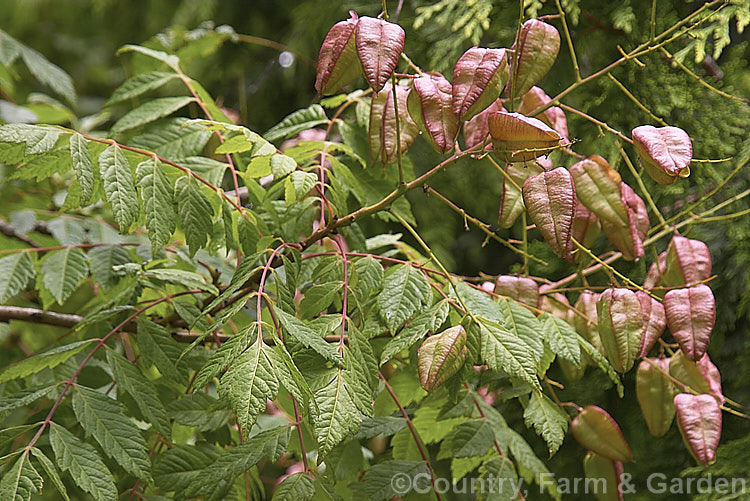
point(398, 128)
point(71, 381)
point(569, 40)
point(486, 228)
point(413, 432)
point(641, 186)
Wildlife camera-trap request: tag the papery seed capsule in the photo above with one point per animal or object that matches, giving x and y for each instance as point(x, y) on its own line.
point(536, 51)
point(607, 475)
point(478, 79)
point(518, 138)
point(522, 289)
point(550, 199)
point(620, 326)
point(654, 322)
point(699, 420)
point(430, 106)
point(690, 316)
point(655, 391)
point(441, 356)
point(379, 46)
point(665, 152)
point(596, 431)
point(688, 262)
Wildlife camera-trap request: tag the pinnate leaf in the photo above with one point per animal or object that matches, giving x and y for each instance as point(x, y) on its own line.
point(338, 415)
point(548, 420)
point(79, 154)
point(561, 338)
point(295, 487)
point(195, 212)
point(22, 480)
point(150, 111)
point(470, 438)
point(45, 360)
point(181, 464)
point(105, 419)
point(428, 320)
point(309, 338)
point(129, 378)
point(62, 271)
point(250, 382)
point(378, 480)
point(405, 291)
point(173, 139)
point(158, 202)
point(15, 272)
point(119, 186)
point(215, 481)
point(140, 84)
point(504, 352)
point(49, 467)
point(298, 121)
point(83, 463)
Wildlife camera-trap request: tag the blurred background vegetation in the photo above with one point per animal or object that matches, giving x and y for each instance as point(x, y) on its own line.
point(234, 48)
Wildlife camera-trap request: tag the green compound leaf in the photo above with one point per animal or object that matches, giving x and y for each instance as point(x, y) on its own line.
point(119, 186)
point(62, 271)
point(105, 419)
point(15, 272)
point(405, 291)
point(195, 212)
point(83, 463)
point(150, 111)
point(158, 202)
point(548, 419)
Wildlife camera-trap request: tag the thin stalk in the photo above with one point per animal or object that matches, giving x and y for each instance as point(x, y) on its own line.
point(412, 430)
point(641, 186)
point(612, 270)
point(486, 228)
point(398, 130)
point(525, 245)
point(569, 40)
point(635, 99)
point(699, 79)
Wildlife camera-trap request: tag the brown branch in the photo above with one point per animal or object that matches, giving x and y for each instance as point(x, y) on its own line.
point(69, 320)
point(9, 231)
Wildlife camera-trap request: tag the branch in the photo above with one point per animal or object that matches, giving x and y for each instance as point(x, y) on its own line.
point(69, 320)
point(10, 231)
